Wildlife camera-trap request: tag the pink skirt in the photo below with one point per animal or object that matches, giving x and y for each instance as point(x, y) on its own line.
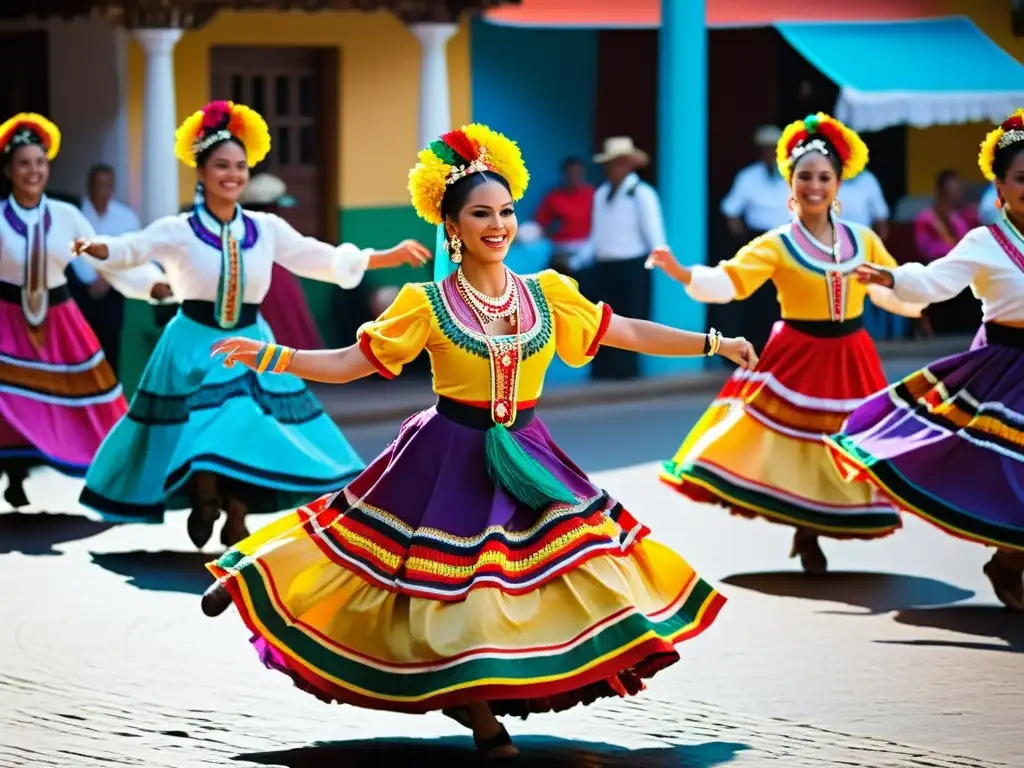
point(287, 312)
point(57, 401)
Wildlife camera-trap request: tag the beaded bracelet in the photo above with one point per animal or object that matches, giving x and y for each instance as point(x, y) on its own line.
point(275, 358)
point(712, 342)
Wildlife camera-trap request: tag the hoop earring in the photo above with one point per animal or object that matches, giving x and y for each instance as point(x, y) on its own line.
point(999, 203)
point(837, 207)
point(455, 250)
point(792, 205)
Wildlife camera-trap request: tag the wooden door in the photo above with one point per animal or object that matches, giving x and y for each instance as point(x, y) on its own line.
point(287, 87)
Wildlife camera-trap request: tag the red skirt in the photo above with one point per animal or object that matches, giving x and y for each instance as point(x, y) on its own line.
point(759, 450)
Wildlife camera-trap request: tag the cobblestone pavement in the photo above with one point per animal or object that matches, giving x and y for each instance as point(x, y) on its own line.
point(898, 659)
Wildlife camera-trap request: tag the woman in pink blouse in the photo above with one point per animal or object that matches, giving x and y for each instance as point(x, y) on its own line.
point(937, 230)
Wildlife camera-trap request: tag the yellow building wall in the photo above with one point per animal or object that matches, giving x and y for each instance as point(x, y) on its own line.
point(931, 150)
point(379, 100)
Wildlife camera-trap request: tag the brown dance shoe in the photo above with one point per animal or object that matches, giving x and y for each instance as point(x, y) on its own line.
point(812, 559)
point(1007, 583)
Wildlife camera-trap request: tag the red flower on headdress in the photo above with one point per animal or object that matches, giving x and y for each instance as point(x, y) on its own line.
point(216, 115)
point(462, 144)
point(1014, 123)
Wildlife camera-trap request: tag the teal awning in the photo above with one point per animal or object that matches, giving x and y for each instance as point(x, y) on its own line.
point(922, 72)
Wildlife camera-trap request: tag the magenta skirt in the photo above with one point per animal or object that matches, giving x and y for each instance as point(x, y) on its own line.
point(58, 400)
point(287, 312)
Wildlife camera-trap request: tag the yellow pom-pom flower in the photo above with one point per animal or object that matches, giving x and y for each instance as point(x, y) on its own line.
point(47, 130)
point(989, 145)
point(853, 152)
point(244, 123)
point(428, 180)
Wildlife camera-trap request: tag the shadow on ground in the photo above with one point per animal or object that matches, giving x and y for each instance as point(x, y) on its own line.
point(159, 571)
point(875, 593)
point(458, 752)
point(991, 622)
point(36, 533)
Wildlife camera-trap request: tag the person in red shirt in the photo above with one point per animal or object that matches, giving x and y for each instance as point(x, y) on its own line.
point(566, 213)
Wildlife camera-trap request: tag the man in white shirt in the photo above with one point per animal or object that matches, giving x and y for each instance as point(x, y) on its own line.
point(862, 202)
point(102, 306)
point(627, 225)
point(757, 202)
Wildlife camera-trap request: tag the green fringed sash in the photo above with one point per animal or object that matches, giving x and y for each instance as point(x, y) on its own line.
point(522, 476)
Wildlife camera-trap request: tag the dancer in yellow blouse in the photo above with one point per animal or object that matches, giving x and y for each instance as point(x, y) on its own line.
point(472, 567)
point(759, 450)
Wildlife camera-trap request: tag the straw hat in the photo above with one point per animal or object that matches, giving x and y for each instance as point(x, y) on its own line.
point(621, 146)
point(263, 189)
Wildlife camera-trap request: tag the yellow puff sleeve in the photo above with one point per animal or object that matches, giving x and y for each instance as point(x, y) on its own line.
point(579, 323)
point(753, 265)
point(877, 253)
point(399, 334)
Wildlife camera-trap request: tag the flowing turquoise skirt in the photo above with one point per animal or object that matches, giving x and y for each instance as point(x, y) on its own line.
point(265, 434)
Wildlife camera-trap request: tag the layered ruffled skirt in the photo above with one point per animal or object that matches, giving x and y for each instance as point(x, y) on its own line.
point(58, 400)
point(947, 442)
point(425, 584)
point(266, 436)
point(759, 449)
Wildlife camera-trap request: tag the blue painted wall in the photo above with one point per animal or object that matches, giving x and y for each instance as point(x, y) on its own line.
point(538, 87)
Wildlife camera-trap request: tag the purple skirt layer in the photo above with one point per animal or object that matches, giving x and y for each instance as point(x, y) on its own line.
point(58, 400)
point(947, 443)
point(428, 499)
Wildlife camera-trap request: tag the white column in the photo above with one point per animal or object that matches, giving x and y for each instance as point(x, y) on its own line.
point(159, 121)
point(435, 95)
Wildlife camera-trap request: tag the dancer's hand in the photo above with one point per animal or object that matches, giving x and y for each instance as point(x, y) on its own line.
point(96, 250)
point(663, 258)
point(406, 252)
point(740, 351)
point(238, 349)
point(868, 274)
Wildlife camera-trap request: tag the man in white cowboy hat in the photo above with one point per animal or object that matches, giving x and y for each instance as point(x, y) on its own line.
point(627, 226)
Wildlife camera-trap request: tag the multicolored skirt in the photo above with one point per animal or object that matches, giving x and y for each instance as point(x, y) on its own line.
point(60, 399)
point(266, 436)
point(759, 449)
point(424, 584)
point(947, 442)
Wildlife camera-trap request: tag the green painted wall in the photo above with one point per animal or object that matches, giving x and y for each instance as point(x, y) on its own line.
point(365, 227)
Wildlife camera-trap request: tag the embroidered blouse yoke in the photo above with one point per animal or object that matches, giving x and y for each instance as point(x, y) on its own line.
point(811, 283)
point(62, 223)
point(189, 248)
point(556, 317)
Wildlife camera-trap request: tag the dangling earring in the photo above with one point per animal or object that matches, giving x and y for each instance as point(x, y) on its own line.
point(455, 250)
point(999, 203)
point(792, 205)
point(837, 207)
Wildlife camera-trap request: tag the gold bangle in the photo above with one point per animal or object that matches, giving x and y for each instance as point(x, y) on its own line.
point(265, 357)
point(717, 343)
point(711, 342)
point(285, 360)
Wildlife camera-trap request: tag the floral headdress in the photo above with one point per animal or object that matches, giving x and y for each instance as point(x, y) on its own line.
point(823, 134)
point(219, 121)
point(27, 128)
point(1009, 132)
point(457, 154)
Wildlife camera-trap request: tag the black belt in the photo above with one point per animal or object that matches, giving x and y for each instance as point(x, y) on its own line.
point(1004, 335)
point(478, 418)
point(826, 329)
point(12, 294)
point(204, 312)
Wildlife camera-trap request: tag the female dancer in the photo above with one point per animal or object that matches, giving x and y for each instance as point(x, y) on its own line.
point(284, 307)
point(758, 450)
point(58, 395)
point(195, 433)
point(947, 442)
point(465, 566)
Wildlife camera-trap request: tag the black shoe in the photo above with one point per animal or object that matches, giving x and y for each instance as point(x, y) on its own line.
point(497, 741)
point(15, 493)
point(216, 600)
point(200, 524)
